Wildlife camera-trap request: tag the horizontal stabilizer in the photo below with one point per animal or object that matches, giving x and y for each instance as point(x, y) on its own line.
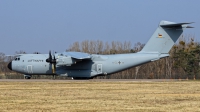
point(167, 24)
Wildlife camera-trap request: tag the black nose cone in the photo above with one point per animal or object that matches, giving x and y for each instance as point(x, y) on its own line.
point(10, 65)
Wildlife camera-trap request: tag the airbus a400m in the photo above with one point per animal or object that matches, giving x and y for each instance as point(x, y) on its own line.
point(81, 65)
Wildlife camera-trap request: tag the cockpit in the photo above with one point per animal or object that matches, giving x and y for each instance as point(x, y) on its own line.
point(17, 59)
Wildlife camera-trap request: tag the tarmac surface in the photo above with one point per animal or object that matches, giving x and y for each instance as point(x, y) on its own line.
point(92, 80)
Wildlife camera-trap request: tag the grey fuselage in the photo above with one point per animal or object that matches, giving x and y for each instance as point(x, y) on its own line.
point(35, 64)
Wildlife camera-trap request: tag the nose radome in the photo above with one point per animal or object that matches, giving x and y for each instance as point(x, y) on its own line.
point(10, 65)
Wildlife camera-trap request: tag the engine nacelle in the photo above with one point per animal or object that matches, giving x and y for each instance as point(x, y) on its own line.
point(65, 61)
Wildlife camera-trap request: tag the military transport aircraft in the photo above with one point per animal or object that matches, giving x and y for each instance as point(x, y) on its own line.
point(79, 65)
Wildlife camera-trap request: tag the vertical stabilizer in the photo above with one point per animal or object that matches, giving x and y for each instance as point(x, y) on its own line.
point(165, 37)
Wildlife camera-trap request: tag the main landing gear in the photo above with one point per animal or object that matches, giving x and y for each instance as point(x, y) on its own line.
point(27, 76)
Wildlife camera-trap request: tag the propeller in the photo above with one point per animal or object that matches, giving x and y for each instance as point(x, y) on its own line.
point(52, 61)
point(54, 64)
point(50, 58)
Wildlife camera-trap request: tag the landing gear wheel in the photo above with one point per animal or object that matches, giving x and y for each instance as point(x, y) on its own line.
point(26, 77)
point(54, 77)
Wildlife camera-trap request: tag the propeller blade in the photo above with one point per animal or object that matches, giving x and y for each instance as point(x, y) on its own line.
point(52, 66)
point(50, 57)
point(54, 63)
point(54, 57)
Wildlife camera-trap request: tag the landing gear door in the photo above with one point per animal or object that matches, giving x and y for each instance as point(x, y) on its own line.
point(30, 69)
point(99, 68)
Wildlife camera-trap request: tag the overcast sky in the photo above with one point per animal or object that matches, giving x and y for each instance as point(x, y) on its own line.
point(43, 25)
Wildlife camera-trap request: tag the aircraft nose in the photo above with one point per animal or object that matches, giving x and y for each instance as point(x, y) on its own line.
point(10, 65)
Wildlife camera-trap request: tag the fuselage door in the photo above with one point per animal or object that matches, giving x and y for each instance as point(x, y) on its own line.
point(99, 68)
point(30, 69)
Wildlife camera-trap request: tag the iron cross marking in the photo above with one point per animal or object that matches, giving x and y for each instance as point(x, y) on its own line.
point(119, 62)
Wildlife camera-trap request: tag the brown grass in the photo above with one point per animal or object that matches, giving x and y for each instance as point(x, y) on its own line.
point(100, 96)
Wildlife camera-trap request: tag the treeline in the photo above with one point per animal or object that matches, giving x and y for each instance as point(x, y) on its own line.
point(184, 60)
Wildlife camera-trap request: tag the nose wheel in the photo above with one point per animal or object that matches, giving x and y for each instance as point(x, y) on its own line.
point(54, 77)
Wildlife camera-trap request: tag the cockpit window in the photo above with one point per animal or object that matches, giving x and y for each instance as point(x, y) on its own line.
point(17, 59)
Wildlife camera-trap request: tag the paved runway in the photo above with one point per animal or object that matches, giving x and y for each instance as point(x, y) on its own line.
point(92, 80)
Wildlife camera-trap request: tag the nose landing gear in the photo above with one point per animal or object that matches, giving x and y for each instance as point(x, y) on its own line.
point(54, 77)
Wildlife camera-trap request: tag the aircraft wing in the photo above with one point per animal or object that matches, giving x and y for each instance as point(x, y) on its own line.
point(77, 55)
point(69, 58)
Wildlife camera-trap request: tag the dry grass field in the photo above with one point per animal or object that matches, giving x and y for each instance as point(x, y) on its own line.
point(181, 96)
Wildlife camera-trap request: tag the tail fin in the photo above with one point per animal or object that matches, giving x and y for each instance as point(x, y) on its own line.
point(165, 37)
